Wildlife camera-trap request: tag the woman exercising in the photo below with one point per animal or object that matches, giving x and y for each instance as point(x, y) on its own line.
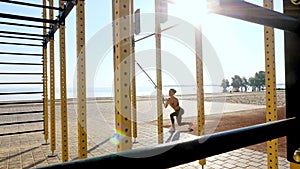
point(179, 111)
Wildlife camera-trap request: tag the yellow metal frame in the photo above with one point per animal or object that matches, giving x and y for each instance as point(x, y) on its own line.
point(81, 80)
point(159, 102)
point(52, 88)
point(200, 90)
point(270, 76)
point(133, 83)
point(125, 82)
point(63, 91)
point(122, 61)
point(133, 94)
point(294, 165)
point(45, 78)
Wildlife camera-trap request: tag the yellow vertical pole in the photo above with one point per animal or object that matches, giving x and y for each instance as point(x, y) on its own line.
point(115, 25)
point(52, 87)
point(200, 90)
point(63, 91)
point(270, 76)
point(133, 83)
point(45, 78)
point(122, 58)
point(294, 165)
point(133, 95)
point(81, 80)
point(158, 73)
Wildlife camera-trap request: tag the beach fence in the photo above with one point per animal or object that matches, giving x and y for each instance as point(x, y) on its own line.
point(124, 83)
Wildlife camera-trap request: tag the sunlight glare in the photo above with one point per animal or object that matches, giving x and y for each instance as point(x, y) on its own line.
point(193, 11)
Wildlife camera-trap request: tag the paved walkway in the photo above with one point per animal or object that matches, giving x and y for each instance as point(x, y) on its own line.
point(27, 151)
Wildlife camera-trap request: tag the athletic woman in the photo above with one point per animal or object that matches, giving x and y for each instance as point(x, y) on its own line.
point(178, 111)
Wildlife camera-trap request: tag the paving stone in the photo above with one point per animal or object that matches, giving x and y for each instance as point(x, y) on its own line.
point(27, 151)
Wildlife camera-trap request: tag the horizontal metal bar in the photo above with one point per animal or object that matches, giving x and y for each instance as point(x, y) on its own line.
point(17, 93)
point(22, 33)
point(21, 102)
point(21, 44)
point(19, 73)
point(20, 132)
point(19, 83)
point(25, 54)
point(60, 20)
point(246, 11)
point(21, 122)
point(14, 63)
point(30, 4)
point(19, 37)
point(27, 112)
point(25, 25)
point(152, 34)
point(26, 18)
point(177, 153)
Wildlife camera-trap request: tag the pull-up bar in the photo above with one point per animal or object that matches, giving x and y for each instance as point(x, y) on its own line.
point(25, 25)
point(21, 93)
point(22, 112)
point(19, 73)
point(21, 102)
point(19, 63)
point(25, 54)
point(20, 44)
point(22, 33)
point(26, 18)
point(30, 4)
point(19, 83)
point(19, 37)
point(152, 34)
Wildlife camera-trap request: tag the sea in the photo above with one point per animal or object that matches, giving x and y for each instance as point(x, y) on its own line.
point(15, 94)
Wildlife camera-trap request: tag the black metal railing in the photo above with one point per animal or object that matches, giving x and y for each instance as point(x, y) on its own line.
point(181, 152)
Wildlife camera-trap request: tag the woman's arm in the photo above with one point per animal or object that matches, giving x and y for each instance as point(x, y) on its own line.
point(167, 103)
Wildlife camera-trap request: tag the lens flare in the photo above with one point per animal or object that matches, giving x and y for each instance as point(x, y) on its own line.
point(117, 137)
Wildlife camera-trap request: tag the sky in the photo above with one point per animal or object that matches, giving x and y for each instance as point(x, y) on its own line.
point(236, 44)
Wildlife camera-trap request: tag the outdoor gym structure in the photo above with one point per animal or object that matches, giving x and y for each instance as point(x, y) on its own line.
point(125, 97)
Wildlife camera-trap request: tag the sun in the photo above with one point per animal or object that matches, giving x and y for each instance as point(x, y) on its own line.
point(193, 11)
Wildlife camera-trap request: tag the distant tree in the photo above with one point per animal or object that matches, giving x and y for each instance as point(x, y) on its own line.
point(236, 82)
point(260, 78)
point(225, 84)
point(245, 83)
point(258, 81)
point(252, 83)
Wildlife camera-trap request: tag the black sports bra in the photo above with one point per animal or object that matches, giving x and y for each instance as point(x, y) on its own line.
point(173, 103)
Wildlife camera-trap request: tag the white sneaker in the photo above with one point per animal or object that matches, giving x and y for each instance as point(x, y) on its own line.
point(191, 127)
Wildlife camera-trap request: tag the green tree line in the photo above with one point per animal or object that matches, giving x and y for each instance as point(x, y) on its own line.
point(256, 82)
